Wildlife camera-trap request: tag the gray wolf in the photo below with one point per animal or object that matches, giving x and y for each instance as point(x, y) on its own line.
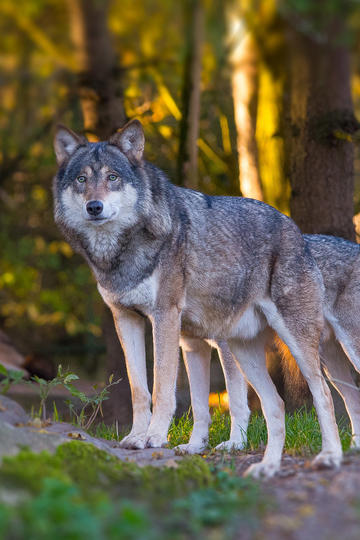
point(199, 267)
point(339, 263)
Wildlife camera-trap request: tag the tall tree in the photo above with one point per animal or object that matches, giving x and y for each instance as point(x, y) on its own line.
point(244, 59)
point(320, 121)
point(190, 120)
point(99, 75)
point(101, 98)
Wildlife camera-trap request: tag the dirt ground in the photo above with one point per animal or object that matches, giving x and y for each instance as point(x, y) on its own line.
point(307, 503)
point(319, 504)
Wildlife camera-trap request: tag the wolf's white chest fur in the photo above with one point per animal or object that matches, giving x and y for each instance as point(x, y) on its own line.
point(142, 297)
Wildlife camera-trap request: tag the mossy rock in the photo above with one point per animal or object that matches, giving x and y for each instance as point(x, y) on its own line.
point(83, 492)
point(94, 470)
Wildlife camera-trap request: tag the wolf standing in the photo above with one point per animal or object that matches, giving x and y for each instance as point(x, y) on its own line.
point(215, 268)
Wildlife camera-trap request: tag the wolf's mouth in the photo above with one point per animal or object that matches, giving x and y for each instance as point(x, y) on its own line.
point(99, 219)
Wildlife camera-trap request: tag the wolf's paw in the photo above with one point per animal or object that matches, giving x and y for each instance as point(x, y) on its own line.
point(262, 470)
point(327, 460)
point(231, 445)
point(190, 448)
point(135, 441)
point(355, 442)
point(156, 441)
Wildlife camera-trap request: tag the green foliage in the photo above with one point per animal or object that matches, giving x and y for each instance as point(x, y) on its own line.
point(82, 418)
point(9, 377)
point(28, 470)
point(82, 492)
point(209, 507)
point(63, 379)
point(109, 432)
point(60, 512)
point(303, 434)
point(180, 429)
point(95, 401)
point(220, 428)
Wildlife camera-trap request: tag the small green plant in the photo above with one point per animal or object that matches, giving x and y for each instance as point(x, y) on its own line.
point(56, 415)
point(10, 377)
point(94, 403)
point(62, 378)
point(91, 406)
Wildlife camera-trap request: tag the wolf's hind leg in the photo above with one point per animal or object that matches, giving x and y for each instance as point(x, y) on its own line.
point(337, 368)
point(347, 332)
point(197, 356)
point(237, 390)
point(252, 360)
point(304, 347)
point(131, 331)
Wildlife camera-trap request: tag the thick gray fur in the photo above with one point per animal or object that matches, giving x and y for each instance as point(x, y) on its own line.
point(206, 268)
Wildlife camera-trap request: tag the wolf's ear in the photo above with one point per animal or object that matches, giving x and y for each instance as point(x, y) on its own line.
point(66, 142)
point(130, 140)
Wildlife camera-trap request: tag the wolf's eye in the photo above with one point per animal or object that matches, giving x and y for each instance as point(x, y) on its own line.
point(113, 177)
point(81, 179)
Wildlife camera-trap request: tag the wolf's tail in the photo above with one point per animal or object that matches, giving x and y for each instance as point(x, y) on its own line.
point(297, 392)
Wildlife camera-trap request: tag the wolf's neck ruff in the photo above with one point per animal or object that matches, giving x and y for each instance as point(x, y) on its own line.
point(102, 245)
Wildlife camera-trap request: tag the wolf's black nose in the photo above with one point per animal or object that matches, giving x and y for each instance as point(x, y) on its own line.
point(94, 208)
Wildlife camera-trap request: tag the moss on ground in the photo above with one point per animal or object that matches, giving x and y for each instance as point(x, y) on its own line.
point(82, 492)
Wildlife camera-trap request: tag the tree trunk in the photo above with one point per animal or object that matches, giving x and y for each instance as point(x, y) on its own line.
point(320, 165)
point(245, 61)
point(99, 83)
point(101, 100)
point(189, 126)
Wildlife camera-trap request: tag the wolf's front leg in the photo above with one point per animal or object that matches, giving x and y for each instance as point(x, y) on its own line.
point(166, 334)
point(131, 331)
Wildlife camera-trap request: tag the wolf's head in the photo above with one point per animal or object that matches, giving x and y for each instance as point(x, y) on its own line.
point(98, 184)
point(105, 192)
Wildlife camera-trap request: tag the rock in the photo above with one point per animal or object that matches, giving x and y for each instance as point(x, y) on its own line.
point(148, 456)
point(10, 358)
point(11, 412)
point(12, 439)
point(18, 430)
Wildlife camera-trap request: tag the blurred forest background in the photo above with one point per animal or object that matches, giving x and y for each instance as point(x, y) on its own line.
point(251, 97)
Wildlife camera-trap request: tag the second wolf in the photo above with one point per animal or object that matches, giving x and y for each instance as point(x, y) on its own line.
point(214, 268)
point(339, 263)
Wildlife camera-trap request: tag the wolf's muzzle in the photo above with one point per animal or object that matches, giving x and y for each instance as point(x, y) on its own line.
point(94, 208)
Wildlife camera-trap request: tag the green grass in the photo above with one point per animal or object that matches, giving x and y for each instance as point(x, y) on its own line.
point(303, 434)
point(81, 492)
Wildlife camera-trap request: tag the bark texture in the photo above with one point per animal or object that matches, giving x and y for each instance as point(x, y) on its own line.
point(320, 165)
point(190, 121)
